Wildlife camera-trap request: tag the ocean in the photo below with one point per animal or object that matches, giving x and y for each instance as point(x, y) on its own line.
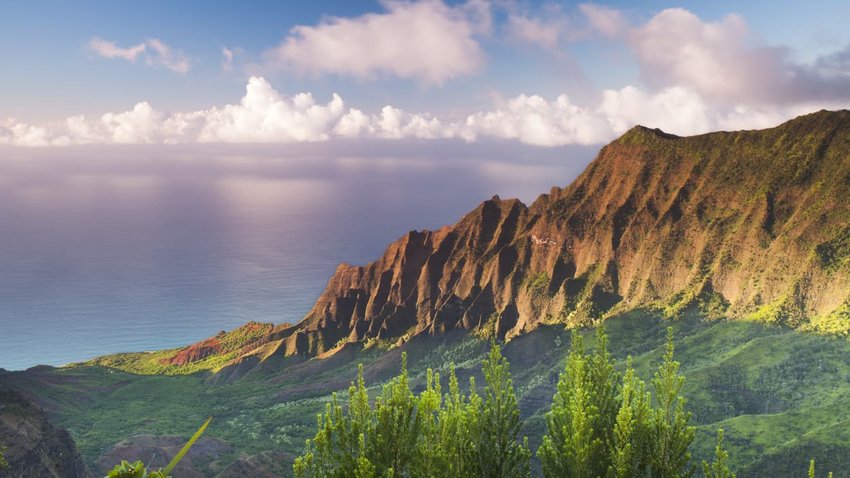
point(132, 248)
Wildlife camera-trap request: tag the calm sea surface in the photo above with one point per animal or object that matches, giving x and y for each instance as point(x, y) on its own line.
point(125, 249)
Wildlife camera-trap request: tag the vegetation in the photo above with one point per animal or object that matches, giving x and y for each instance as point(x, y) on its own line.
point(602, 424)
point(138, 469)
point(3, 463)
point(779, 395)
point(422, 436)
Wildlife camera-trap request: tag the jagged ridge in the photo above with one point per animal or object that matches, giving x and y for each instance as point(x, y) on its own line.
point(738, 224)
point(748, 224)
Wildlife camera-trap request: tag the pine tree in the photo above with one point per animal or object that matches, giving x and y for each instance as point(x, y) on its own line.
point(672, 434)
point(499, 423)
point(569, 445)
point(630, 445)
point(339, 447)
point(719, 468)
point(429, 458)
point(457, 419)
point(584, 412)
point(393, 443)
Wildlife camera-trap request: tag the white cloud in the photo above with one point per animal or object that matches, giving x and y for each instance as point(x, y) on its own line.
point(108, 49)
point(726, 64)
point(426, 40)
point(161, 54)
point(263, 115)
point(227, 55)
point(533, 120)
point(155, 52)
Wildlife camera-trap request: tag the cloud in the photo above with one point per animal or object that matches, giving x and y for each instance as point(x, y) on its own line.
point(607, 21)
point(108, 49)
point(725, 63)
point(227, 55)
point(264, 115)
point(525, 29)
point(161, 54)
point(154, 51)
point(534, 120)
point(425, 40)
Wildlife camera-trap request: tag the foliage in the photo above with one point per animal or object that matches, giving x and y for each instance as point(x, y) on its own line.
point(762, 384)
point(719, 468)
point(3, 463)
point(404, 435)
point(498, 423)
point(138, 470)
point(812, 470)
point(602, 424)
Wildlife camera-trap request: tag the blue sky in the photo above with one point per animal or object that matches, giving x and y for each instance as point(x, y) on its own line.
point(542, 73)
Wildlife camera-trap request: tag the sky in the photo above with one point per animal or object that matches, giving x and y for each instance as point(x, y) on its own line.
point(538, 73)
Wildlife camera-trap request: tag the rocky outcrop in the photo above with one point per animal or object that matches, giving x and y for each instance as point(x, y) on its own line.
point(741, 224)
point(243, 339)
point(34, 446)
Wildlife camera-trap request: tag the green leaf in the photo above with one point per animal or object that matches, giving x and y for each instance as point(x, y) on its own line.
point(185, 449)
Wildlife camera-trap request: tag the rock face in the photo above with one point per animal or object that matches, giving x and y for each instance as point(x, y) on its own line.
point(743, 224)
point(35, 447)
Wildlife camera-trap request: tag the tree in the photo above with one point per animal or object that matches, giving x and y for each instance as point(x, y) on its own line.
point(672, 436)
point(629, 456)
point(499, 453)
point(393, 443)
point(719, 468)
point(339, 447)
point(584, 411)
point(424, 436)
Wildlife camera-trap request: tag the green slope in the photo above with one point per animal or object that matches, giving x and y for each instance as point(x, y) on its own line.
point(781, 395)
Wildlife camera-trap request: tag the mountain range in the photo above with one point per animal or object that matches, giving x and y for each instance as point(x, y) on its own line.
point(746, 225)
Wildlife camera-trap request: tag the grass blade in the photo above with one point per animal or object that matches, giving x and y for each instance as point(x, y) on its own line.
point(179, 456)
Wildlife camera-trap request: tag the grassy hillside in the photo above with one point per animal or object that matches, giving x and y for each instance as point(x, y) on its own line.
point(781, 395)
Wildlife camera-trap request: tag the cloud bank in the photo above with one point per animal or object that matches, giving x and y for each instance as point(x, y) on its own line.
point(264, 115)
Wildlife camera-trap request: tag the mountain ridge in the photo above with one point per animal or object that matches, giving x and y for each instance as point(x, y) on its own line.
point(739, 225)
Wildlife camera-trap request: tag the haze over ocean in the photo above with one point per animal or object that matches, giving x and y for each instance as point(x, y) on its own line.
point(149, 247)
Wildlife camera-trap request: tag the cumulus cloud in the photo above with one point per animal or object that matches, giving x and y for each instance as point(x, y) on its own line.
point(155, 52)
point(264, 115)
point(426, 40)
